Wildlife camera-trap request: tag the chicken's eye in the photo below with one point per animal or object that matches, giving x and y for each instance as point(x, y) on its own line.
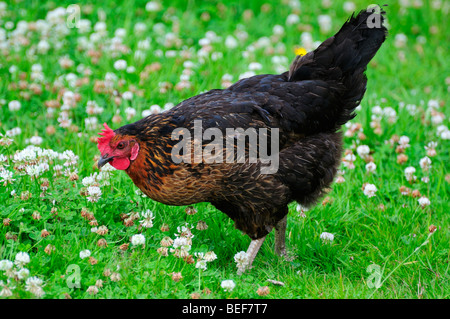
point(121, 145)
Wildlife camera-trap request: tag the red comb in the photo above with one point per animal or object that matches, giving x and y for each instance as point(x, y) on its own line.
point(103, 142)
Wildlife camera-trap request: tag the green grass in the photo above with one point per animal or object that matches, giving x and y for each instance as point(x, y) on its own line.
point(390, 230)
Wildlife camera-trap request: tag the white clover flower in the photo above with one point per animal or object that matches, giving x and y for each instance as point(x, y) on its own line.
point(437, 119)
point(138, 239)
point(100, 26)
point(6, 264)
point(25, 155)
point(350, 157)
point(84, 26)
point(292, 19)
point(185, 231)
point(404, 141)
point(6, 177)
point(89, 180)
point(377, 110)
point(390, 113)
point(65, 62)
point(92, 290)
point(6, 289)
point(412, 109)
point(241, 35)
point(278, 29)
point(153, 6)
point(424, 201)
point(255, 66)
point(64, 120)
point(370, 190)
point(349, 160)
point(439, 130)
point(13, 132)
point(70, 157)
point(131, 69)
point(3, 7)
point(127, 95)
point(324, 23)
point(148, 218)
point(201, 264)
point(307, 40)
point(445, 135)
point(227, 77)
point(181, 246)
point(5, 141)
point(108, 168)
point(246, 75)
point(120, 33)
point(85, 253)
point(34, 285)
point(231, 42)
point(204, 42)
point(182, 242)
point(211, 35)
point(425, 179)
point(14, 105)
point(400, 40)
point(433, 104)
point(140, 28)
point(301, 209)
point(327, 237)
point(22, 259)
point(37, 170)
point(409, 173)
point(3, 158)
point(363, 151)
point(431, 148)
point(210, 256)
point(199, 255)
point(371, 167)
point(36, 140)
point(242, 260)
point(120, 64)
point(93, 108)
point(130, 113)
point(425, 163)
point(349, 6)
point(263, 42)
point(155, 109)
point(228, 285)
point(94, 193)
point(22, 273)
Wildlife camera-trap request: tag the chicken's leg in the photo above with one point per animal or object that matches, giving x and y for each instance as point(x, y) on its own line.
point(252, 251)
point(280, 237)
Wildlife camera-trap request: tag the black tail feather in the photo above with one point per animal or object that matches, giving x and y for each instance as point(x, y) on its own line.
point(350, 49)
point(343, 59)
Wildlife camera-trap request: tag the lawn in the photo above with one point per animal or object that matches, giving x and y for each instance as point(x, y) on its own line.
point(71, 231)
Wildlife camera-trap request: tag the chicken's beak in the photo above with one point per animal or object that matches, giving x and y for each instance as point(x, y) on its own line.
point(103, 160)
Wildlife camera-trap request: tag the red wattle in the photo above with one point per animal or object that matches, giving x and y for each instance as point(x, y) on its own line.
point(120, 163)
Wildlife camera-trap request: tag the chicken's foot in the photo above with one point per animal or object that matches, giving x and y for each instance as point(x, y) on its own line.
point(280, 237)
point(252, 251)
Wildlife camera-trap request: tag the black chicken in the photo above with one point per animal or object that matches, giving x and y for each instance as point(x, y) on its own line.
point(308, 104)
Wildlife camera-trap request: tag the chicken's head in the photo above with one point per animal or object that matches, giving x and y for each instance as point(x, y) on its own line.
point(119, 150)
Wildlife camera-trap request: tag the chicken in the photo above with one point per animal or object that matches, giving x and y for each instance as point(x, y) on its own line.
point(300, 111)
